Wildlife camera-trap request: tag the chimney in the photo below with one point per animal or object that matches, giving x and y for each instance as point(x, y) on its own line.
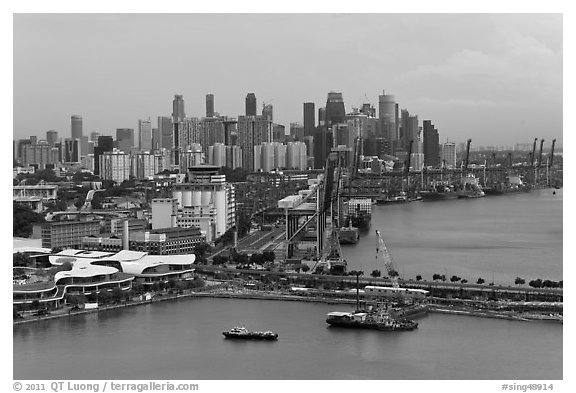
point(125, 236)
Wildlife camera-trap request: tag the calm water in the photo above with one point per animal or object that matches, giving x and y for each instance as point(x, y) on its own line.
point(509, 235)
point(183, 340)
point(497, 236)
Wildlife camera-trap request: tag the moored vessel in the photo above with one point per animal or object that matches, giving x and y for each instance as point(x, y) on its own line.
point(376, 320)
point(242, 333)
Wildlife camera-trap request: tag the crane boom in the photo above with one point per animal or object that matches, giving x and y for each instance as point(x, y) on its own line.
point(384, 255)
point(533, 156)
point(540, 156)
point(551, 162)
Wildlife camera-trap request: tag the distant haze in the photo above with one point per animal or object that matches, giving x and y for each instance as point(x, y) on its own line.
point(495, 78)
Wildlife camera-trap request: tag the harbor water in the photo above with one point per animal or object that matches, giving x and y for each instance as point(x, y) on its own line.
point(495, 238)
point(507, 236)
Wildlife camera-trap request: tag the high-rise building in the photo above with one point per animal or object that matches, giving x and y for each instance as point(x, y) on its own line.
point(125, 139)
point(268, 112)
point(322, 146)
point(165, 130)
point(297, 131)
point(251, 104)
point(217, 155)
point(209, 105)
point(321, 116)
point(156, 139)
point(211, 131)
point(278, 133)
point(387, 113)
point(77, 132)
point(335, 111)
point(115, 166)
point(40, 154)
point(33, 140)
point(178, 113)
point(71, 150)
point(431, 144)
point(448, 155)
point(309, 118)
point(94, 136)
point(105, 143)
point(144, 165)
point(51, 137)
point(145, 135)
point(252, 131)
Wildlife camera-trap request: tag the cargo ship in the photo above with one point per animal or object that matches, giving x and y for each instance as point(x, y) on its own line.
point(470, 188)
point(375, 320)
point(511, 185)
point(439, 191)
point(348, 234)
point(241, 333)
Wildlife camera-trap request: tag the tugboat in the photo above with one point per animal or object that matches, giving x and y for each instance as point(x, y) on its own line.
point(244, 334)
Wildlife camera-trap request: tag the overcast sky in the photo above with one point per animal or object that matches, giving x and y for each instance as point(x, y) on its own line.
point(495, 78)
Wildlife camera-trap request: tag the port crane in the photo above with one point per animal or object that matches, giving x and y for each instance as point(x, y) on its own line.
point(383, 254)
point(551, 162)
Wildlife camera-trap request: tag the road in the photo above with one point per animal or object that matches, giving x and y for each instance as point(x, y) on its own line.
point(258, 241)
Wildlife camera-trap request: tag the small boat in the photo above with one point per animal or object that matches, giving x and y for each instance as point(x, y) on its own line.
point(244, 334)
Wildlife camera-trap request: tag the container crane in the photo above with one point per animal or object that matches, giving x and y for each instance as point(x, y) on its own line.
point(533, 155)
point(540, 156)
point(383, 254)
point(552, 154)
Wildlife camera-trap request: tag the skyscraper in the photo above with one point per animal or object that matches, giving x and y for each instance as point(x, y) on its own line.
point(76, 130)
point(335, 111)
point(431, 144)
point(71, 150)
point(51, 137)
point(144, 135)
point(94, 136)
point(165, 130)
point(252, 131)
point(178, 113)
point(268, 112)
point(309, 118)
point(387, 109)
point(209, 105)
point(251, 104)
point(125, 139)
point(105, 143)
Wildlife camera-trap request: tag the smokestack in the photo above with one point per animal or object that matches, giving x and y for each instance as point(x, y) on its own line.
point(125, 236)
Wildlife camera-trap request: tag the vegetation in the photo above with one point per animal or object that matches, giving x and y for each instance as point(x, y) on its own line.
point(455, 279)
point(201, 250)
point(376, 273)
point(23, 219)
point(418, 278)
point(480, 281)
point(219, 260)
point(519, 281)
point(234, 175)
point(21, 260)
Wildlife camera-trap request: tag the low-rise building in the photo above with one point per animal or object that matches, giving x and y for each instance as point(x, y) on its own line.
point(64, 234)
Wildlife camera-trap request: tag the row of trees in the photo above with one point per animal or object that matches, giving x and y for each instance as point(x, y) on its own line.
point(244, 259)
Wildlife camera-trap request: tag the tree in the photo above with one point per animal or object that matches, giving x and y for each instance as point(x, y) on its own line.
point(21, 260)
point(305, 268)
point(257, 258)
point(443, 277)
point(480, 281)
point(117, 295)
point(436, 277)
point(35, 304)
point(104, 296)
point(464, 281)
point(519, 281)
point(393, 273)
point(201, 249)
point(418, 278)
point(376, 273)
point(455, 278)
point(219, 260)
point(536, 283)
point(23, 220)
point(268, 256)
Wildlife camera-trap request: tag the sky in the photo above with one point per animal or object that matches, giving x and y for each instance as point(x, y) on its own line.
point(494, 78)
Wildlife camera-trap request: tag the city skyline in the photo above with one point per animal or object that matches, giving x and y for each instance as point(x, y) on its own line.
point(498, 82)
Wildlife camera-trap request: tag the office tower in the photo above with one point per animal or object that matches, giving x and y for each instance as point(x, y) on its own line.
point(71, 150)
point(252, 131)
point(125, 139)
point(448, 155)
point(297, 131)
point(33, 140)
point(143, 165)
point(51, 137)
point(115, 166)
point(94, 136)
point(322, 146)
point(309, 119)
point(268, 112)
point(278, 132)
point(178, 113)
point(229, 130)
point(211, 131)
point(335, 111)
point(165, 129)
point(156, 139)
point(105, 143)
point(431, 144)
point(76, 130)
point(145, 135)
point(209, 105)
point(251, 104)
point(341, 135)
point(387, 113)
point(321, 117)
